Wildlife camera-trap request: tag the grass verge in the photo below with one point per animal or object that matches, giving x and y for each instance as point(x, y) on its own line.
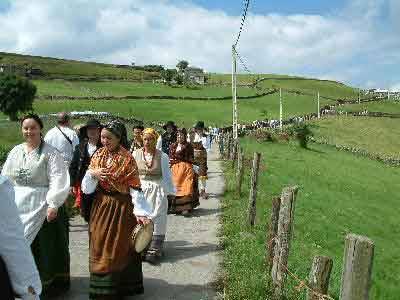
point(339, 193)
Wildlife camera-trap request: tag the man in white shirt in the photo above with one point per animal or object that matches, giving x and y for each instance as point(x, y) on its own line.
point(63, 138)
point(206, 142)
point(15, 252)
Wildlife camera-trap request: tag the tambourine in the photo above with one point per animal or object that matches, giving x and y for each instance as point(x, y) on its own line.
point(141, 236)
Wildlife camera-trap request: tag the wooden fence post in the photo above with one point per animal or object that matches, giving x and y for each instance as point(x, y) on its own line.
point(228, 155)
point(226, 145)
point(282, 241)
point(234, 152)
point(272, 231)
point(357, 267)
point(239, 171)
point(319, 277)
point(253, 188)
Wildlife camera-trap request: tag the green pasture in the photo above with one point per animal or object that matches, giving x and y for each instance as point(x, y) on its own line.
point(124, 88)
point(62, 68)
point(326, 88)
point(339, 194)
point(376, 106)
point(376, 135)
point(218, 112)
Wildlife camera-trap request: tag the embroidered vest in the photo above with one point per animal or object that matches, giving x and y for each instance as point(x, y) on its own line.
point(146, 173)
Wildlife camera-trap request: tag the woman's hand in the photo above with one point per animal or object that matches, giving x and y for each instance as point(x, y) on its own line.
point(51, 214)
point(142, 220)
point(100, 173)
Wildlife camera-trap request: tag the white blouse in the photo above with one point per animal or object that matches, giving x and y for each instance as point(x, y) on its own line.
point(141, 207)
point(14, 249)
point(40, 180)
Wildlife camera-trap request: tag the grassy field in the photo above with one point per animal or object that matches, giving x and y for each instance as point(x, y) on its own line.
point(183, 112)
point(381, 106)
point(186, 111)
point(62, 68)
point(376, 135)
point(123, 88)
point(339, 194)
point(326, 88)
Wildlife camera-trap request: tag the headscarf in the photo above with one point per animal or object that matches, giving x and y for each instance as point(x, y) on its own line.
point(119, 130)
point(152, 133)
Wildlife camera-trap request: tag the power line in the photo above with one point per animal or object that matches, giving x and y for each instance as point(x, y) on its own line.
point(244, 15)
point(242, 62)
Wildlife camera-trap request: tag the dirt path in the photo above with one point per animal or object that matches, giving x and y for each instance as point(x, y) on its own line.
point(189, 267)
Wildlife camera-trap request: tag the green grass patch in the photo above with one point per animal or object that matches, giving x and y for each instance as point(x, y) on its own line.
point(339, 194)
point(63, 68)
point(123, 88)
point(376, 135)
point(378, 106)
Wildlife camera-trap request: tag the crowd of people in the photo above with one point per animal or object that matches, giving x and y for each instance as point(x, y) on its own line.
point(116, 184)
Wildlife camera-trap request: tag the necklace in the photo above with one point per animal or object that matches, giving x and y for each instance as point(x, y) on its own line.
point(148, 164)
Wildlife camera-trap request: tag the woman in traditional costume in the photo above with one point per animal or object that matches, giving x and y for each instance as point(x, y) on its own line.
point(155, 178)
point(115, 267)
point(89, 136)
point(200, 160)
point(183, 176)
point(41, 182)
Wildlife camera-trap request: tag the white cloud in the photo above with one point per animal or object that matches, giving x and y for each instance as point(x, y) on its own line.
point(123, 31)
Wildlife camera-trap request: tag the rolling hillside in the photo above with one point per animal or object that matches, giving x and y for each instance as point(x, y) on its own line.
point(71, 69)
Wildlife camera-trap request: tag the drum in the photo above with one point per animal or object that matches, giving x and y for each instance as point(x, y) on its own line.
point(141, 236)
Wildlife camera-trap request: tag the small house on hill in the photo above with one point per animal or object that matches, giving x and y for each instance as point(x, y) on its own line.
point(195, 75)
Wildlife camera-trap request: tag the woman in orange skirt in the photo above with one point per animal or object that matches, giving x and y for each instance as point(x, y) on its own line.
point(183, 176)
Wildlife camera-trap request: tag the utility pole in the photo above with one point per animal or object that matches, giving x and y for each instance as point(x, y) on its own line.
point(319, 111)
point(359, 96)
point(280, 108)
point(388, 95)
point(234, 96)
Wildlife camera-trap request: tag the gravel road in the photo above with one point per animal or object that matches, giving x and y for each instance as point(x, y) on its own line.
point(191, 261)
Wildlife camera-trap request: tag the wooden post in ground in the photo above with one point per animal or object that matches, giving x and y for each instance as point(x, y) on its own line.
point(357, 268)
point(272, 231)
point(229, 147)
point(319, 277)
point(235, 145)
point(226, 146)
point(239, 171)
point(282, 241)
point(253, 188)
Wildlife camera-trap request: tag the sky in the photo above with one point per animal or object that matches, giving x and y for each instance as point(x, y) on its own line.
point(352, 41)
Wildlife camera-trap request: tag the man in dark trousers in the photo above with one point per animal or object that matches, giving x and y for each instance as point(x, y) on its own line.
point(167, 138)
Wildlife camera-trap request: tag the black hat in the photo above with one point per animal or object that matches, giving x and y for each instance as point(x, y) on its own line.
point(138, 125)
point(199, 125)
point(169, 123)
point(92, 123)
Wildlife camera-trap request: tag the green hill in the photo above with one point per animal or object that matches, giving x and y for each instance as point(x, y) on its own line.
point(72, 69)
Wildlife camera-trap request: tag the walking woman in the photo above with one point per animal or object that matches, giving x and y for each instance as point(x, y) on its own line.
point(41, 182)
point(181, 161)
point(115, 268)
point(155, 177)
point(200, 161)
point(89, 136)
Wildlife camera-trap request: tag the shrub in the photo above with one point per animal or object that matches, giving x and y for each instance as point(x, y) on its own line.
point(302, 132)
point(263, 135)
point(16, 95)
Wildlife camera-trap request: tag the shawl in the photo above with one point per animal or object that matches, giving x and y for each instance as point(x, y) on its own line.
point(122, 167)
